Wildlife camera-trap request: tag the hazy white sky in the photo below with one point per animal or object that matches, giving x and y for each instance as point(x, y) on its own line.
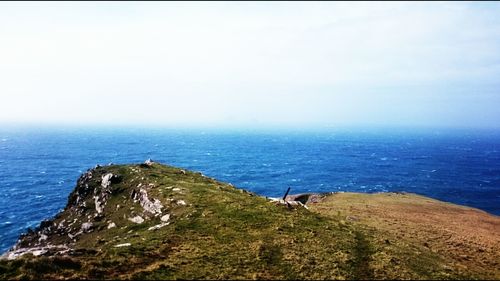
point(250, 64)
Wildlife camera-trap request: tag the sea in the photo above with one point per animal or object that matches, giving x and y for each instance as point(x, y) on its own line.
point(39, 166)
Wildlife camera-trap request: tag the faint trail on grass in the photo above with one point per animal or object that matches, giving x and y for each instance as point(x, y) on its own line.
point(362, 256)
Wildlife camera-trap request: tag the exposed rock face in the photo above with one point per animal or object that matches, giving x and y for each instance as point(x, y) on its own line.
point(89, 210)
point(101, 195)
point(153, 207)
point(306, 198)
point(98, 207)
point(300, 200)
point(85, 207)
point(159, 222)
point(106, 180)
point(36, 251)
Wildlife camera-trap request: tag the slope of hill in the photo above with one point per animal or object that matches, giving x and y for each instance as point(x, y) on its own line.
point(151, 221)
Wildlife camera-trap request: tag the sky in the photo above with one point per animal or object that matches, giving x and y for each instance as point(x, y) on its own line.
point(245, 64)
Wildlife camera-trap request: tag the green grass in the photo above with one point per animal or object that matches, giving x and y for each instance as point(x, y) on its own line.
point(222, 233)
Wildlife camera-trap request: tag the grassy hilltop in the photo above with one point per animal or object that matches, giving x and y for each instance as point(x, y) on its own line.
point(151, 221)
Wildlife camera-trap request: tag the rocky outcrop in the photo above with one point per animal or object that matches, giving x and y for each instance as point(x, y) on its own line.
point(106, 180)
point(85, 207)
point(299, 200)
point(151, 221)
point(101, 195)
point(37, 251)
point(152, 206)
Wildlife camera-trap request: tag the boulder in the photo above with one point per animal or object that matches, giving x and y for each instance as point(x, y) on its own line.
point(136, 219)
point(86, 226)
point(165, 218)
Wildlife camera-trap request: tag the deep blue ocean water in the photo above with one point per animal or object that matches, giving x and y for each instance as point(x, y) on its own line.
point(39, 167)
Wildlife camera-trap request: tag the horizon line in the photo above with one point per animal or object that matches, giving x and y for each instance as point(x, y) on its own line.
point(238, 127)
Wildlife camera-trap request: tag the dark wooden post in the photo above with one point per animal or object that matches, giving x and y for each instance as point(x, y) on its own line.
point(286, 193)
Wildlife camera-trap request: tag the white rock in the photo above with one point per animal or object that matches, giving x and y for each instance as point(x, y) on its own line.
point(98, 206)
point(123, 245)
point(106, 180)
point(111, 225)
point(37, 253)
point(181, 202)
point(165, 218)
point(153, 207)
point(61, 224)
point(136, 219)
point(158, 226)
point(86, 226)
point(42, 237)
point(176, 189)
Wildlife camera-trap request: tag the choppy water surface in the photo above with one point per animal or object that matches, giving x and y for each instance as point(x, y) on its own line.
point(39, 167)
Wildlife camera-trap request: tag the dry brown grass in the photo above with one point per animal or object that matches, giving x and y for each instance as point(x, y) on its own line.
point(466, 238)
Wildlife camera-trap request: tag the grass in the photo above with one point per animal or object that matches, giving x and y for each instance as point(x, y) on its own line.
point(221, 233)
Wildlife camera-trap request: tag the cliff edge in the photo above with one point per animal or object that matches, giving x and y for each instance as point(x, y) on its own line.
point(152, 221)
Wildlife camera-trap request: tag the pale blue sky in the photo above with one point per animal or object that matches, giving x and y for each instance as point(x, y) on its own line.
point(250, 64)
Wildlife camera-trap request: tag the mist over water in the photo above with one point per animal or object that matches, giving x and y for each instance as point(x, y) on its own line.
point(39, 167)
